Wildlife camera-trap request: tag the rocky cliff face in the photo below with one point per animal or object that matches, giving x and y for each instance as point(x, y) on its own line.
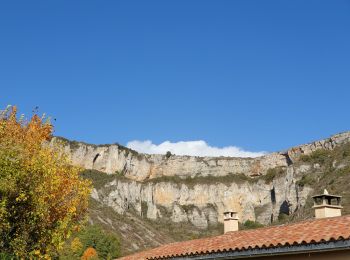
point(198, 189)
point(203, 204)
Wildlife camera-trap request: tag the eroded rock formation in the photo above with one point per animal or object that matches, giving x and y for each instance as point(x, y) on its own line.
point(199, 189)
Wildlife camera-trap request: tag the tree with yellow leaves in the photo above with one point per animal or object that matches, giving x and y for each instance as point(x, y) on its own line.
point(42, 197)
point(76, 246)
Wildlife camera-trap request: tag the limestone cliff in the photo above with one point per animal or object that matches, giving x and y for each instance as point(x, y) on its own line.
point(116, 158)
point(198, 189)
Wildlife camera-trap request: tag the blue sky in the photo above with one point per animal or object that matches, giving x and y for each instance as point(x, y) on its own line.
point(261, 75)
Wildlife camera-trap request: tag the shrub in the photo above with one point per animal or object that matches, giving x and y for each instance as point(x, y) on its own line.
point(89, 254)
point(249, 224)
point(168, 154)
point(99, 179)
point(144, 208)
point(306, 180)
point(107, 245)
point(283, 217)
point(319, 156)
point(272, 173)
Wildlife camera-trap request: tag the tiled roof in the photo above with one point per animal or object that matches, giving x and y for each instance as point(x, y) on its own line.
point(301, 233)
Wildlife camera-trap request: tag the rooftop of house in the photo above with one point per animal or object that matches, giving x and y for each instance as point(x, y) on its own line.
point(315, 233)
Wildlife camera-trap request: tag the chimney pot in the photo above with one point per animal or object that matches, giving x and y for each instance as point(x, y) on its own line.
point(327, 205)
point(230, 221)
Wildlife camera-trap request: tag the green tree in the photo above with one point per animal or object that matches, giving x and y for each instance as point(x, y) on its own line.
point(168, 154)
point(42, 197)
point(107, 245)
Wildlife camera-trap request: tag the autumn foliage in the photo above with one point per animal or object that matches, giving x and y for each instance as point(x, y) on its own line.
point(89, 254)
point(42, 197)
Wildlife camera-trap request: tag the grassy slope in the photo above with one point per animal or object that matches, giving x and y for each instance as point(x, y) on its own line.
point(134, 233)
point(137, 233)
point(331, 171)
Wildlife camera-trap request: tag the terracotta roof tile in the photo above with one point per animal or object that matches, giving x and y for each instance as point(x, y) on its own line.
point(306, 232)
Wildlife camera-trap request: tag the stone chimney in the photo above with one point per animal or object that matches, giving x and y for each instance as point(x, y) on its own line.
point(230, 221)
point(326, 205)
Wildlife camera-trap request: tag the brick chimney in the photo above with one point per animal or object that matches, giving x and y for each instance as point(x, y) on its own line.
point(230, 221)
point(326, 205)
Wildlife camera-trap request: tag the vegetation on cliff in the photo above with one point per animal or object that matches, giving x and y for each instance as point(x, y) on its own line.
point(329, 169)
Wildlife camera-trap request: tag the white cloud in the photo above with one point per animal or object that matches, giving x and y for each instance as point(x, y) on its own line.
point(194, 148)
